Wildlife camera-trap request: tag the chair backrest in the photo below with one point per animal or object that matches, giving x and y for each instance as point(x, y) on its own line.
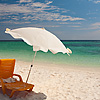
point(6, 68)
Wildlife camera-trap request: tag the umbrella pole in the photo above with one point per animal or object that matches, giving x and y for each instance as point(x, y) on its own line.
point(31, 66)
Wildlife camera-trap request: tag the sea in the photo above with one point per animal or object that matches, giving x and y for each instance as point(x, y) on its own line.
point(85, 53)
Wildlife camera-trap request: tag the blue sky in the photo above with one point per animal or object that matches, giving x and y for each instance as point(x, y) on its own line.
point(67, 19)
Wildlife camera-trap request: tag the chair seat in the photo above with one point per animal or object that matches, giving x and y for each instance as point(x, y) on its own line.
point(18, 86)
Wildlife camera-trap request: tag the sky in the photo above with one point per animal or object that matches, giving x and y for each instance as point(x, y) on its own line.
point(67, 19)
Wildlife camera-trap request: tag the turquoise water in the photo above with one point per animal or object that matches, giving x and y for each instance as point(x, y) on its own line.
point(85, 53)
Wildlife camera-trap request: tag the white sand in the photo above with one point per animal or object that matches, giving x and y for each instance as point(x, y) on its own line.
point(55, 83)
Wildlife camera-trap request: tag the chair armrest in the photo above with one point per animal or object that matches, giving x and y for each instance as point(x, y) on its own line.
point(18, 76)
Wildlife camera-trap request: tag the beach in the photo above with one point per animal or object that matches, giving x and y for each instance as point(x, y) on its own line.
point(53, 82)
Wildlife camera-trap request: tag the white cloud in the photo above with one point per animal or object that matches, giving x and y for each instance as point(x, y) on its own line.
point(95, 1)
point(13, 8)
point(13, 22)
point(74, 26)
point(21, 1)
point(51, 26)
point(38, 4)
point(49, 2)
point(73, 23)
point(73, 18)
point(96, 24)
point(34, 11)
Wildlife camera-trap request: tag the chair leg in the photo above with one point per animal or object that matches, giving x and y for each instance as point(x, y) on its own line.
point(12, 93)
point(4, 91)
point(30, 89)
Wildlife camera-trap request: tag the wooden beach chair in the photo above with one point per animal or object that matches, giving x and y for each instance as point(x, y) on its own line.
point(6, 71)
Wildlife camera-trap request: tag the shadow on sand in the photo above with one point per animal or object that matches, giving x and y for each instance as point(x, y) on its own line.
point(22, 95)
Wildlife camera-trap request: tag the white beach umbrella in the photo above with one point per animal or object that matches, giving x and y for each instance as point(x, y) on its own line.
point(40, 39)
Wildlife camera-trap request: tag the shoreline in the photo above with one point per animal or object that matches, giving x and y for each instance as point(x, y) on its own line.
point(60, 66)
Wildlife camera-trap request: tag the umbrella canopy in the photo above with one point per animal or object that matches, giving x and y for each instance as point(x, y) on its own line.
point(40, 39)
